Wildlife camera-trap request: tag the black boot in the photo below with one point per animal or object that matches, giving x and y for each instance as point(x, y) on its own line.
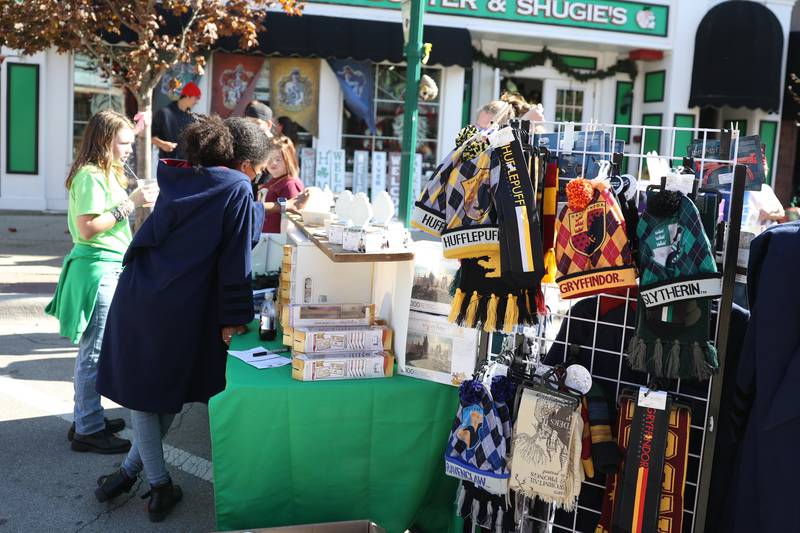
point(162, 499)
point(114, 425)
point(112, 485)
point(100, 442)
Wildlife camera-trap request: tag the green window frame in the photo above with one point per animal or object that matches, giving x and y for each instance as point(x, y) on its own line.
point(683, 139)
point(652, 138)
point(522, 56)
point(654, 83)
point(623, 109)
point(768, 132)
point(22, 119)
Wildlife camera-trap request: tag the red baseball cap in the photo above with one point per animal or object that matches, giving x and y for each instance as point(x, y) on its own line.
point(191, 89)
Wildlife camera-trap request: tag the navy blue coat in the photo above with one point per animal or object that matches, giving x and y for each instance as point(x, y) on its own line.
point(187, 274)
point(764, 492)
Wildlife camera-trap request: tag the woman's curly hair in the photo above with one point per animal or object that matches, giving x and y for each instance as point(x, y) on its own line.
point(209, 143)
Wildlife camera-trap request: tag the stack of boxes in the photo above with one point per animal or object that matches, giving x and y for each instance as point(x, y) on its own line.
point(338, 341)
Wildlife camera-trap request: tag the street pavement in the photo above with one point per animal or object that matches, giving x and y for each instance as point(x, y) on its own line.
point(44, 486)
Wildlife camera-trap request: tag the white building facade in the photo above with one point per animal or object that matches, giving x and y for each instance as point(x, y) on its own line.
point(46, 99)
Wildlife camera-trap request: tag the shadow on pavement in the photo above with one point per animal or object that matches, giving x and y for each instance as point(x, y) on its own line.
point(47, 487)
point(34, 344)
point(50, 369)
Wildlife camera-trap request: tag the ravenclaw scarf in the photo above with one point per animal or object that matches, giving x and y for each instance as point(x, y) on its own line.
point(627, 505)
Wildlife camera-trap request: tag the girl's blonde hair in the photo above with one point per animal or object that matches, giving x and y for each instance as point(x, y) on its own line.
point(286, 147)
point(97, 146)
point(510, 105)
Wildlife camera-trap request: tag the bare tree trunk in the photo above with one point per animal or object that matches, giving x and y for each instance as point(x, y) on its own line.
point(144, 153)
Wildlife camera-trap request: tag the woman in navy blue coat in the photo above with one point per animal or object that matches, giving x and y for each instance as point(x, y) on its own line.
point(185, 289)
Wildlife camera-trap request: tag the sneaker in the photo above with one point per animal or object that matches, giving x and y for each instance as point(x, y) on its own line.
point(114, 425)
point(112, 485)
point(100, 442)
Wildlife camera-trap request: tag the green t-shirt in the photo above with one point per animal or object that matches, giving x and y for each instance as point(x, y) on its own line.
point(92, 194)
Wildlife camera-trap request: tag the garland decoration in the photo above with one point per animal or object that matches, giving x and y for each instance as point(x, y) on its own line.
point(623, 66)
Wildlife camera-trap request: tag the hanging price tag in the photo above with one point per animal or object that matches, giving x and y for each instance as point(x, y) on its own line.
point(653, 399)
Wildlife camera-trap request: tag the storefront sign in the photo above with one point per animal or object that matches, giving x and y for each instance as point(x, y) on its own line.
point(337, 170)
point(378, 174)
point(608, 15)
point(360, 171)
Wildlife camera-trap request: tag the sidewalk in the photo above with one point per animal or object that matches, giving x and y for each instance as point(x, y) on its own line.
point(32, 248)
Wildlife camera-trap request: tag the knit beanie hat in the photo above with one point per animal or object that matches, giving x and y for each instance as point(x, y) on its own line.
point(591, 249)
point(678, 277)
point(478, 444)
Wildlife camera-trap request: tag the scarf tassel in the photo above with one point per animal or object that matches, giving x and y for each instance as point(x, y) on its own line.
point(490, 324)
point(523, 312)
point(656, 366)
point(637, 351)
point(674, 361)
point(455, 307)
point(502, 302)
point(472, 310)
point(512, 314)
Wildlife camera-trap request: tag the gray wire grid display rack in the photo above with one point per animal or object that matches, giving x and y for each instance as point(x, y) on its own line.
point(606, 339)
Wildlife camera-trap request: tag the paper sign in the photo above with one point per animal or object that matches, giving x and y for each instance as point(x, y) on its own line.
point(360, 171)
point(323, 169)
point(307, 166)
point(680, 182)
point(337, 170)
point(652, 399)
point(378, 174)
point(395, 160)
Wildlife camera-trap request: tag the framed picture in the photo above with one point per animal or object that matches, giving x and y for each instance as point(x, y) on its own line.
point(438, 351)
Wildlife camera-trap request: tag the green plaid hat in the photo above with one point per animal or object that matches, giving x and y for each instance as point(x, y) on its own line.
point(678, 277)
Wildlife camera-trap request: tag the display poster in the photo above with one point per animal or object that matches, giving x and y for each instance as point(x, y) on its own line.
point(378, 174)
point(233, 83)
point(294, 89)
point(360, 171)
point(719, 175)
point(323, 169)
point(308, 166)
point(393, 181)
point(336, 159)
point(437, 350)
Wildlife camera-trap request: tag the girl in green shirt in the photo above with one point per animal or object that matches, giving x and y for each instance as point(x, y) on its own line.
point(97, 218)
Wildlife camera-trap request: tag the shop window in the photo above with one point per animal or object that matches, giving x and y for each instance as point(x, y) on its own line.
point(92, 93)
point(569, 105)
point(390, 85)
point(22, 126)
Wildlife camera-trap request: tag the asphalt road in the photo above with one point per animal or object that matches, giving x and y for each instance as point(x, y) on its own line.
point(44, 486)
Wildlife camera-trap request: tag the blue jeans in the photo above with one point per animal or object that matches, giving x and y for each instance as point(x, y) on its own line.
point(88, 412)
point(147, 452)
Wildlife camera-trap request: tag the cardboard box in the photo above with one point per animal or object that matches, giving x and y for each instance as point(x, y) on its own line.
point(325, 315)
point(360, 365)
point(355, 526)
point(342, 339)
point(288, 336)
point(318, 280)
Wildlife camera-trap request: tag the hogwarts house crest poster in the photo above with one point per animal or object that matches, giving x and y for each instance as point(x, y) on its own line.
point(294, 91)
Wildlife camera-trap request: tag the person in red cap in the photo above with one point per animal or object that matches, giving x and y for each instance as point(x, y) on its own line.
point(169, 123)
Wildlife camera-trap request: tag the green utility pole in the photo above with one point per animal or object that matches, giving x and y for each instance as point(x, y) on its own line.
point(411, 112)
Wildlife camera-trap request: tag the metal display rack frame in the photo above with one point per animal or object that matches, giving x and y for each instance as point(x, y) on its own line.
point(703, 397)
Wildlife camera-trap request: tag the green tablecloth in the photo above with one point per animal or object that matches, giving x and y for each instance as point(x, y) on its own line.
point(290, 452)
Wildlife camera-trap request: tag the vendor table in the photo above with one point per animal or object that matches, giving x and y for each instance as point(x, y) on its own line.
point(289, 452)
